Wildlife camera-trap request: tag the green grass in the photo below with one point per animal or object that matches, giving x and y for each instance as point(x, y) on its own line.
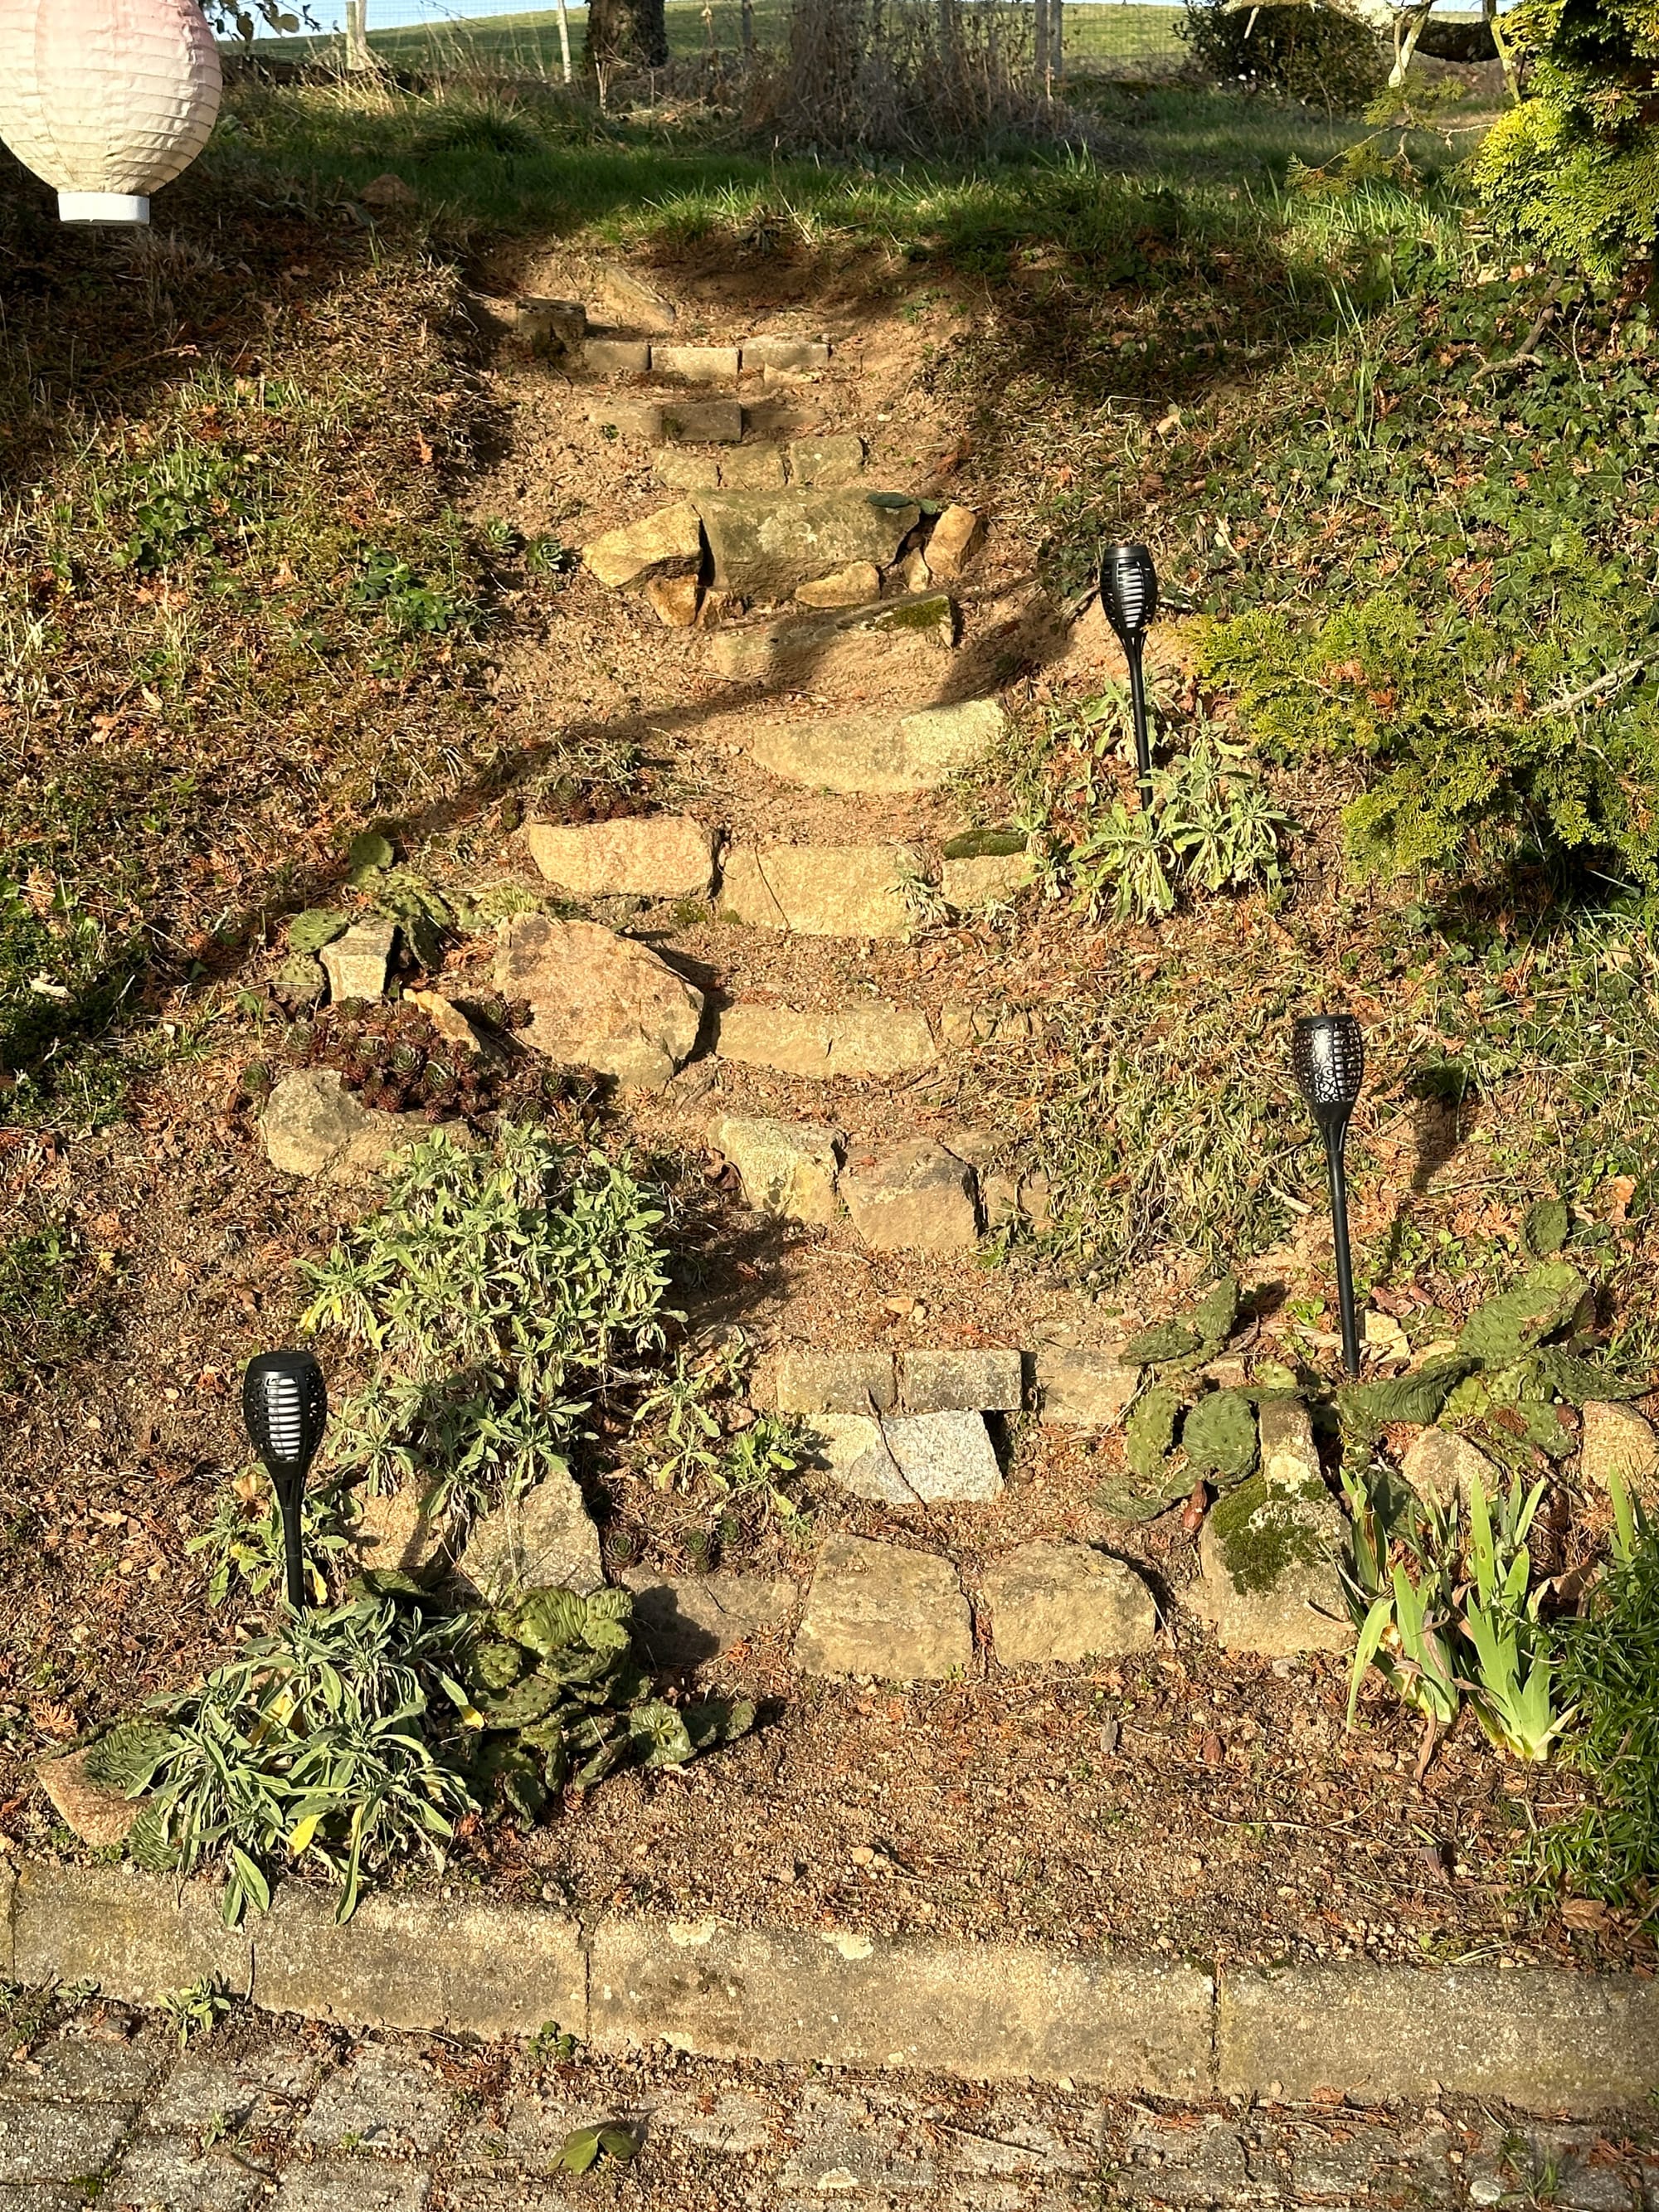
point(1126, 38)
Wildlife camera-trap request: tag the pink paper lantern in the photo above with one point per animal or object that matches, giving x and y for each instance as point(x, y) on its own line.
point(106, 99)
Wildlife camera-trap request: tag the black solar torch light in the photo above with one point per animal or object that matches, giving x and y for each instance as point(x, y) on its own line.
point(285, 1404)
point(1128, 592)
point(1328, 1053)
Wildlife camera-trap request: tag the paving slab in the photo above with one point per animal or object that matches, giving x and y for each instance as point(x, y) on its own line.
point(353, 2185)
point(382, 2100)
point(60, 2142)
point(884, 1610)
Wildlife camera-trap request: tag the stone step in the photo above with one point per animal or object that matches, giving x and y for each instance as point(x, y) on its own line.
point(606, 352)
point(877, 646)
point(880, 752)
point(917, 1196)
point(823, 891)
point(876, 1039)
point(657, 856)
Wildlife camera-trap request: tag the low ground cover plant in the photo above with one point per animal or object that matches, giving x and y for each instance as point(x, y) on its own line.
point(353, 1739)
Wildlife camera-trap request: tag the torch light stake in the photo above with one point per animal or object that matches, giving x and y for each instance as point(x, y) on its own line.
point(285, 1405)
point(1328, 1053)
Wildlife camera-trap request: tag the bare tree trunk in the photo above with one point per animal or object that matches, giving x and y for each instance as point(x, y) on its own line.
point(747, 15)
point(564, 38)
point(1408, 30)
point(1506, 51)
point(625, 34)
point(1040, 42)
point(357, 55)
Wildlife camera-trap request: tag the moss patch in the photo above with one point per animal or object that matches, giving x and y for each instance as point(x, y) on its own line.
point(1261, 1534)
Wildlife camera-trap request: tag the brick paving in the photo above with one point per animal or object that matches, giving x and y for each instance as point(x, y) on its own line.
point(104, 2108)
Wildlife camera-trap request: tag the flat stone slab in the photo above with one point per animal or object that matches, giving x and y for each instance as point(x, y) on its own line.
point(822, 891)
point(759, 353)
point(178, 2172)
point(966, 1381)
point(893, 641)
point(832, 459)
point(917, 1197)
point(1064, 1603)
point(765, 544)
point(667, 543)
point(617, 356)
point(788, 1167)
point(544, 1539)
point(686, 1621)
point(884, 1610)
point(354, 2183)
point(835, 1382)
point(917, 751)
point(912, 1459)
point(1084, 1390)
point(697, 364)
point(700, 422)
point(660, 856)
point(870, 1039)
point(1572, 2042)
point(597, 999)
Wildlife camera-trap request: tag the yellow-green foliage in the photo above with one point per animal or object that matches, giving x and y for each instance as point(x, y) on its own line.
point(1573, 170)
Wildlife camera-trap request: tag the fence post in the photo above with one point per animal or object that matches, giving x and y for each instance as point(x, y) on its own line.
point(564, 38)
point(357, 56)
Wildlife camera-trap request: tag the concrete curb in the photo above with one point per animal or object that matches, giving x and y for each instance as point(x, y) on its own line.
point(1537, 2038)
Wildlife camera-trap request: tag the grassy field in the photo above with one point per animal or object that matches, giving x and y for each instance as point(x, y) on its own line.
point(1127, 40)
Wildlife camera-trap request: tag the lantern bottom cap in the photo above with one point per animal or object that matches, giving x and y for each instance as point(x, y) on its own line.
point(103, 207)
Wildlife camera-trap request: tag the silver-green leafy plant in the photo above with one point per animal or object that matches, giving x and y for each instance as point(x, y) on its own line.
point(497, 1294)
point(1212, 826)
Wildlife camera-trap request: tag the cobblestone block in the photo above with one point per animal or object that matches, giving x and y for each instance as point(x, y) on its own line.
point(262, 2091)
point(835, 1382)
point(59, 2143)
point(168, 2173)
point(83, 2069)
point(968, 1382)
point(352, 2185)
point(383, 2100)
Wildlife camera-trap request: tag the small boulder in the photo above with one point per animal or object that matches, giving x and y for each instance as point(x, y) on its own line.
point(389, 191)
point(597, 999)
point(1084, 1390)
point(822, 891)
point(961, 1381)
point(788, 1167)
point(356, 963)
point(1617, 1440)
point(842, 587)
point(676, 601)
point(956, 537)
point(917, 1197)
point(542, 1540)
point(1062, 1603)
point(395, 1532)
point(1441, 1467)
point(686, 1621)
point(667, 543)
point(93, 1811)
point(551, 326)
point(1268, 1559)
point(835, 1382)
point(636, 305)
point(912, 1459)
point(764, 545)
point(986, 879)
point(869, 1039)
point(446, 1018)
point(884, 1610)
point(657, 856)
point(312, 1124)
